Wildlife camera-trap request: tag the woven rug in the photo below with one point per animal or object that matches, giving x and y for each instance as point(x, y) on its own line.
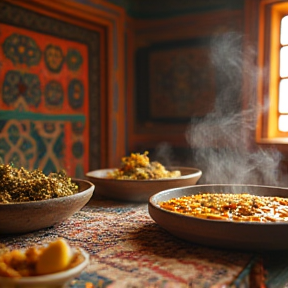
point(128, 249)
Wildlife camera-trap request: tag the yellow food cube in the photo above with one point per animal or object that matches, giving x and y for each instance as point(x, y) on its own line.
point(54, 258)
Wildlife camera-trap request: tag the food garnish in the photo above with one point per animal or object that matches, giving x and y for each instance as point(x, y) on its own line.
point(230, 207)
point(55, 257)
point(138, 167)
point(21, 185)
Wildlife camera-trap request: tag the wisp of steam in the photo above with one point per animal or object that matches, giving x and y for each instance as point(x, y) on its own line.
point(221, 141)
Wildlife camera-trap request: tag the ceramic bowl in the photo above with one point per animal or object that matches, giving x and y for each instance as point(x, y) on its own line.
point(55, 280)
point(221, 233)
point(26, 217)
point(139, 190)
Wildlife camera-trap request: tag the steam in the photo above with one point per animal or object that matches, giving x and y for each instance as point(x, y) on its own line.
point(221, 140)
point(165, 154)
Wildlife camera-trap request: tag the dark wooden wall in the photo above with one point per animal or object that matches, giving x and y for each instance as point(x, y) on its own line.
point(192, 89)
point(181, 66)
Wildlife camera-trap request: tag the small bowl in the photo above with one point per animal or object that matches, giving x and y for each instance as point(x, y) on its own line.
point(55, 280)
point(24, 217)
point(139, 190)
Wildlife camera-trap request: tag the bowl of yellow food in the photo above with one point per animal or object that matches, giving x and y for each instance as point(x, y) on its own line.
point(230, 216)
point(138, 178)
point(53, 265)
point(30, 200)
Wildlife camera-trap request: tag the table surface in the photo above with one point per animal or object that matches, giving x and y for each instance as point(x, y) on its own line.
point(128, 249)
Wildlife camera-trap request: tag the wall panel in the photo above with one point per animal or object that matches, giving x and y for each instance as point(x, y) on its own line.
point(88, 136)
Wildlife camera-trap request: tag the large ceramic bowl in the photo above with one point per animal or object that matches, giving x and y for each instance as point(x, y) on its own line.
point(30, 216)
point(139, 190)
point(55, 280)
point(219, 233)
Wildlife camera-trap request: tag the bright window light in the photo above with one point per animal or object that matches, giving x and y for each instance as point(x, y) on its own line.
point(283, 96)
point(284, 31)
point(284, 61)
point(283, 123)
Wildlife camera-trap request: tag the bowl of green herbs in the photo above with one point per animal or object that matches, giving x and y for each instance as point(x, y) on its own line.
point(30, 200)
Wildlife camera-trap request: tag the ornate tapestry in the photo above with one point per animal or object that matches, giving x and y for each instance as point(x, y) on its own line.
point(49, 83)
point(175, 81)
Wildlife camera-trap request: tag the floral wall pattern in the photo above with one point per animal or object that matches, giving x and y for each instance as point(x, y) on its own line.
point(44, 101)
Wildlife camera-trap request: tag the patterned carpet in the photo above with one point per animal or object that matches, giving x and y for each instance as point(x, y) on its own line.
point(128, 249)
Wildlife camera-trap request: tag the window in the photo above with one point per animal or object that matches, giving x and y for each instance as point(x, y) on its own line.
point(283, 77)
point(273, 62)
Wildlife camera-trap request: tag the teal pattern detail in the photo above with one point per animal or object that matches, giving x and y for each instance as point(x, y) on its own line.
point(78, 128)
point(15, 160)
point(41, 147)
point(49, 127)
point(94, 278)
point(78, 149)
point(25, 147)
point(74, 59)
point(21, 49)
point(18, 84)
point(53, 142)
point(14, 134)
point(76, 93)
point(33, 92)
point(79, 171)
point(49, 167)
point(54, 94)
point(11, 87)
point(26, 115)
point(4, 147)
point(59, 146)
point(16, 143)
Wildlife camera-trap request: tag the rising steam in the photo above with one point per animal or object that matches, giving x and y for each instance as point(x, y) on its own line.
point(220, 141)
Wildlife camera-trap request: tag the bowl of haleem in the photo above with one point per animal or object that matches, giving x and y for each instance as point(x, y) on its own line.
point(138, 178)
point(30, 200)
point(234, 216)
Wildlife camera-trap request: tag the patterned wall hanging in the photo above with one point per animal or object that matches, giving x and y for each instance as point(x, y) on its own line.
point(49, 88)
point(175, 81)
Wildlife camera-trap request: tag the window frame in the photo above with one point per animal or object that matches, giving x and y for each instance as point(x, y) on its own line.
point(269, 21)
